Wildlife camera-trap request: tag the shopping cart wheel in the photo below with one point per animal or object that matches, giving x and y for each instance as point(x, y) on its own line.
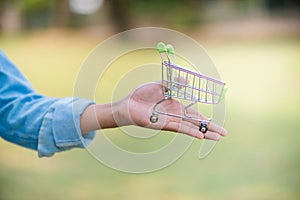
point(154, 118)
point(203, 127)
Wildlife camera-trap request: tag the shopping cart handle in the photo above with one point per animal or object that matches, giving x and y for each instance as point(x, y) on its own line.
point(161, 47)
point(167, 49)
point(170, 49)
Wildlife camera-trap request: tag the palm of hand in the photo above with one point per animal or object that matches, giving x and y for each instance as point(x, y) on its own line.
point(139, 109)
point(143, 99)
point(140, 105)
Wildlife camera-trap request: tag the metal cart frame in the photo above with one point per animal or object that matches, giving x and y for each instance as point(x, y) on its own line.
point(181, 83)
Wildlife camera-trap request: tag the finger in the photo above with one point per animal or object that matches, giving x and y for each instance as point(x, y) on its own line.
point(196, 114)
point(209, 135)
point(194, 117)
point(211, 126)
point(216, 128)
point(185, 128)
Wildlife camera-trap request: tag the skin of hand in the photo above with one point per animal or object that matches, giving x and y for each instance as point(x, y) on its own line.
point(136, 109)
point(181, 81)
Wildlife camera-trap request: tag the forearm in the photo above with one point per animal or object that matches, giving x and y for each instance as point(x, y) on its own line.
point(99, 116)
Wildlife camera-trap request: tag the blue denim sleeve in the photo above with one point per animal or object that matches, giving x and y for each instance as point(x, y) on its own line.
point(45, 124)
point(60, 128)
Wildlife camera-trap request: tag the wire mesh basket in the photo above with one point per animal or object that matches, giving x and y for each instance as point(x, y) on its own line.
point(187, 85)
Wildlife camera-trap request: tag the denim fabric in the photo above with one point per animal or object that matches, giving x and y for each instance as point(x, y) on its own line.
point(41, 123)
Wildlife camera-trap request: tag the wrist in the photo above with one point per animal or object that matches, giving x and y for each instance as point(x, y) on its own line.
point(121, 113)
point(105, 116)
point(101, 116)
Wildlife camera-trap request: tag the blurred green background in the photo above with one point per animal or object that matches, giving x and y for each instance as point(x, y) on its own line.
point(256, 48)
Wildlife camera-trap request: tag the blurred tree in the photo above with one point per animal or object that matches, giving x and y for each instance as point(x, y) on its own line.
point(120, 13)
point(31, 6)
point(279, 4)
point(10, 17)
point(36, 13)
point(62, 14)
point(2, 5)
point(172, 12)
point(126, 14)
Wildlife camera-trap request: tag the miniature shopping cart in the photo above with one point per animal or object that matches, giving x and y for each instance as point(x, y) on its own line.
point(184, 84)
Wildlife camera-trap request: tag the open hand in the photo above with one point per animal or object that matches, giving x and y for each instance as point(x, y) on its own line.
point(136, 109)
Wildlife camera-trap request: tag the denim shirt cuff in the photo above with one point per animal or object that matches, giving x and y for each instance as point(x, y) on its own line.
point(60, 129)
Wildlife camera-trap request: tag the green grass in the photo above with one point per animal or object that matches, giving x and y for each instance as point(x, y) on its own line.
point(258, 160)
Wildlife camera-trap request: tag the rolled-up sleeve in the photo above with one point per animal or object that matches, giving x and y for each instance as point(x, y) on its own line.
point(60, 128)
point(45, 124)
